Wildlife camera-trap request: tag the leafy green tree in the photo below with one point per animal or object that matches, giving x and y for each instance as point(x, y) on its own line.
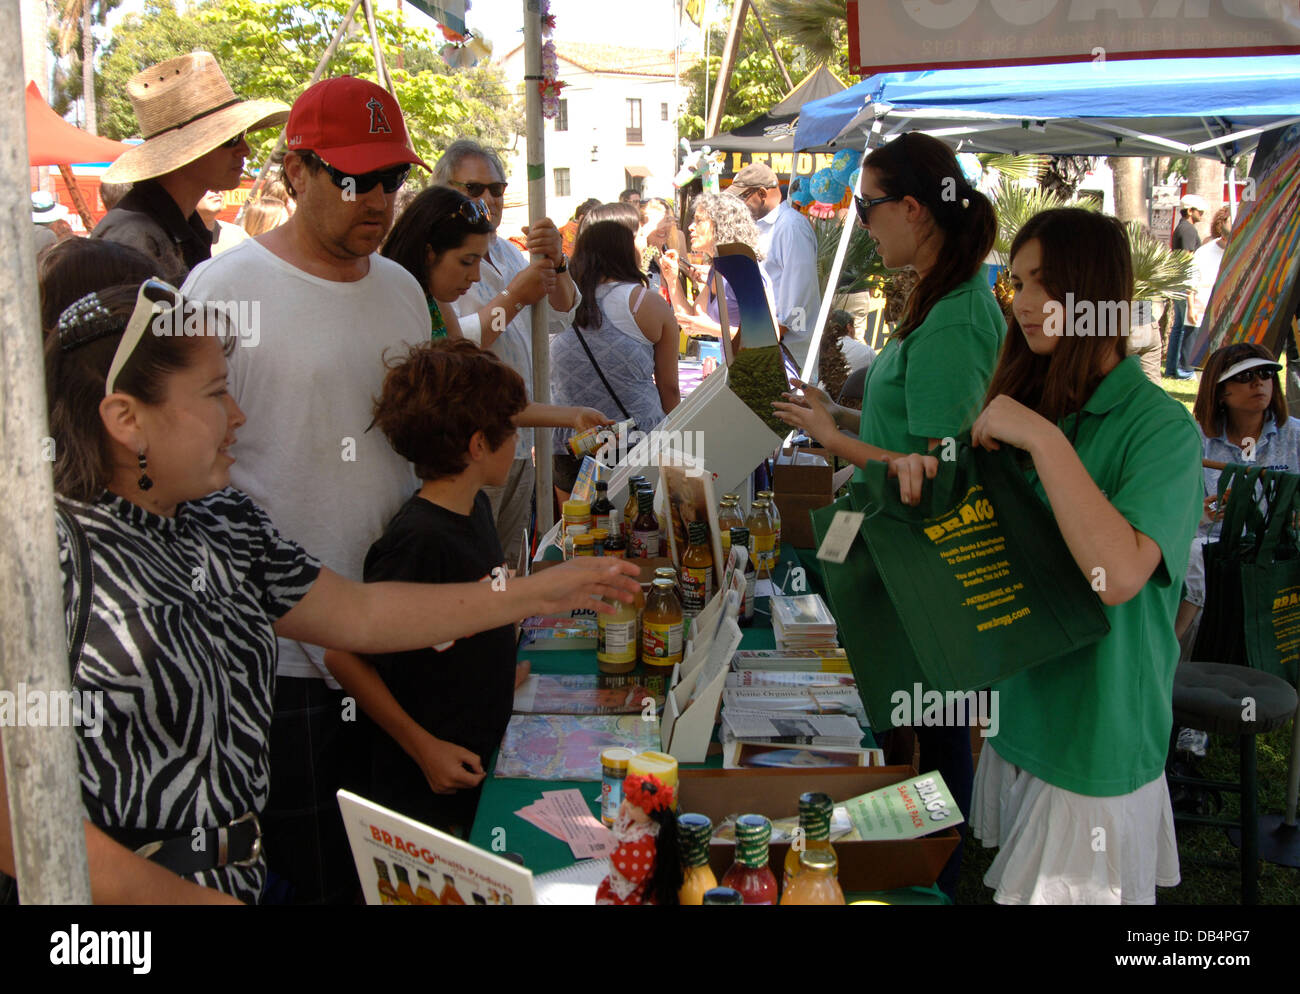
point(270, 50)
point(73, 41)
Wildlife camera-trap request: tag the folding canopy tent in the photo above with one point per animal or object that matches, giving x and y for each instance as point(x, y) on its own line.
point(1211, 107)
point(52, 141)
point(775, 130)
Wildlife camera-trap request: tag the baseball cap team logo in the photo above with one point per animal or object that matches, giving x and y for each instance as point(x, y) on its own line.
point(378, 120)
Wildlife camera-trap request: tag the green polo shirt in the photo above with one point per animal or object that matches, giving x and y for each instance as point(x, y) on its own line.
point(931, 383)
point(1096, 721)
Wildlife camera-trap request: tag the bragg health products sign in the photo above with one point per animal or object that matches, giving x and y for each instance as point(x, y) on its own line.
point(889, 35)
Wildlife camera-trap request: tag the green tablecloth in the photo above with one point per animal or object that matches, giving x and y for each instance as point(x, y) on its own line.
point(497, 828)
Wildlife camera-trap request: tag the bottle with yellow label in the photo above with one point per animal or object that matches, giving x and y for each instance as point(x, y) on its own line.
point(661, 626)
point(697, 570)
point(577, 513)
point(616, 638)
point(584, 544)
point(693, 834)
point(404, 892)
point(728, 518)
point(630, 508)
point(762, 535)
point(770, 497)
point(424, 892)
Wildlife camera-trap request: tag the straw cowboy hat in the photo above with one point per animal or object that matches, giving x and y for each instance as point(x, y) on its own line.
point(186, 109)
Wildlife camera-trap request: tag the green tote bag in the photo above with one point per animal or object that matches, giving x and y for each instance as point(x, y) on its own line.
point(979, 576)
point(1270, 586)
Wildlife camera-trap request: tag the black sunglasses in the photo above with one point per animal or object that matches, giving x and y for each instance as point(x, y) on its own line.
point(1250, 375)
point(864, 206)
point(475, 190)
point(473, 211)
point(232, 142)
point(391, 179)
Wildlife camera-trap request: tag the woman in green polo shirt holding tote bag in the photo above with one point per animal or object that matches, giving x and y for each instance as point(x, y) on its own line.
point(1072, 787)
point(928, 381)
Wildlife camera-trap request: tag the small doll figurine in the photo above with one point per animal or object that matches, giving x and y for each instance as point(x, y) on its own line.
point(645, 868)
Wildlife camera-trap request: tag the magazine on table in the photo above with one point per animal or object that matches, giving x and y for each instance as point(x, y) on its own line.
point(803, 729)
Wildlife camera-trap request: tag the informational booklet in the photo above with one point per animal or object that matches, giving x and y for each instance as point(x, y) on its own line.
point(810, 660)
point(907, 810)
point(568, 747)
point(788, 678)
point(740, 755)
point(401, 861)
point(802, 729)
point(589, 693)
point(807, 700)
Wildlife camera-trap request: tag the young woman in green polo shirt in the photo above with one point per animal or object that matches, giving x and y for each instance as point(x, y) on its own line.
point(1072, 787)
point(927, 382)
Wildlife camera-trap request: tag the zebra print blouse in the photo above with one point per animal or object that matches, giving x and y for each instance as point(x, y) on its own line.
point(180, 644)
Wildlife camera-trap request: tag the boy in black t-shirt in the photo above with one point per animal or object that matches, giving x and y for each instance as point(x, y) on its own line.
point(438, 713)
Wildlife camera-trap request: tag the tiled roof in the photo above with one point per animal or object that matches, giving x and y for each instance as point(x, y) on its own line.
point(618, 59)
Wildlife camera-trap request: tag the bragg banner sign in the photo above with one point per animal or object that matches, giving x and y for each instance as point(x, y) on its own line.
point(889, 35)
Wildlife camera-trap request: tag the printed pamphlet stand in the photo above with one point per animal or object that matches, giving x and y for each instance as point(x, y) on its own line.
point(695, 690)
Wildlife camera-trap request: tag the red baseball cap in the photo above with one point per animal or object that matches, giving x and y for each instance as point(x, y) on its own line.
point(352, 124)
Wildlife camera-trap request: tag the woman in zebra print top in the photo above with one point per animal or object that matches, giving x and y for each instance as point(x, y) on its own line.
point(191, 586)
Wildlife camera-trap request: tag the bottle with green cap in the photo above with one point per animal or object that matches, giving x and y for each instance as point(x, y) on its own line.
point(750, 873)
point(722, 895)
point(816, 882)
point(740, 536)
point(693, 834)
point(645, 529)
point(814, 829)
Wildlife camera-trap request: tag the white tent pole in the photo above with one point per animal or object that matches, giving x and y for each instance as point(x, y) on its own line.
point(40, 762)
point(536, 167)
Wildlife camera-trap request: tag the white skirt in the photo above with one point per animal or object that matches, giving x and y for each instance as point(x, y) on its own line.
point(1058, 847)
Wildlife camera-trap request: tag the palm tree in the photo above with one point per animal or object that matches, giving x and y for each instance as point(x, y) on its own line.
point(817, 27)
point(77, 14)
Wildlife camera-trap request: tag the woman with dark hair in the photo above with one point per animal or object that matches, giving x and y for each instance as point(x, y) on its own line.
point(625, 214)
point(440, 239)
point(1243, 419)
point(621, 353)
point(187, 584)
point(1080, 752)
point(927, 382)
point(72, 268)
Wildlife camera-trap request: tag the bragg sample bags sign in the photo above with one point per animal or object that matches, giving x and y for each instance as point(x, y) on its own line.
point(979, 583)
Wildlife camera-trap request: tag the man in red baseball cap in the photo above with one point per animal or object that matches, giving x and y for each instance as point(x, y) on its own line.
point(328, 307)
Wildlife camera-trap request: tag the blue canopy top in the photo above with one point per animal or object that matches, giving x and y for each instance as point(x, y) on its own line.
point(1128, 107)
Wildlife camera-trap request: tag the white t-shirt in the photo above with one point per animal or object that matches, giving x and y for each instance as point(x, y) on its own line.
point(306, 386)
point(514, 345)
point(1205, 270)
point(789, 246)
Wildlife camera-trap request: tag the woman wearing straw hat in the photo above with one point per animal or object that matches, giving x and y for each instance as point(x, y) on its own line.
point(193, 127)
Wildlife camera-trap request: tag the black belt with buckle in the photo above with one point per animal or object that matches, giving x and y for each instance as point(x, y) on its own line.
point(236, 844)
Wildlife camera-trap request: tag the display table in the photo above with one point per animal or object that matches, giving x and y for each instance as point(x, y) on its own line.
point(497, 828)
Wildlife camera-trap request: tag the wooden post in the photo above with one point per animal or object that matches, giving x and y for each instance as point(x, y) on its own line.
point(729, 52)
point(780, 63)
point(536, 165)
point(40, 762)
point(78, 200)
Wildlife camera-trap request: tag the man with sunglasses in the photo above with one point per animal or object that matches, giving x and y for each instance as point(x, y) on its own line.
point(329, 307)
point(193, 128)
point(497, 311)
point(789, 247)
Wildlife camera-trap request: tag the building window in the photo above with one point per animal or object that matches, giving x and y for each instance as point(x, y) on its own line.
point(633, 182)
point(633, 121)
point(562, 116)
point(562, 183)
point(663, 112)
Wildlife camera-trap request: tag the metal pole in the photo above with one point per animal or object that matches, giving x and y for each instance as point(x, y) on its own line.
point(536, 159)
point(41, 764)
point(315, 78)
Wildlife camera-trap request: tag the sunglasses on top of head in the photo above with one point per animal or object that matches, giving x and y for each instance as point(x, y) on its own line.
point(475, 190)
point(472, 211)
point(391, 179)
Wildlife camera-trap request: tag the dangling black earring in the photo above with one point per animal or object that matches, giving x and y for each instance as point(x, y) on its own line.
point(144, 483)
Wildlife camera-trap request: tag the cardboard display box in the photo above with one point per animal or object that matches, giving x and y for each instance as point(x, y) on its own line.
point(863, 866)
point(803, 481)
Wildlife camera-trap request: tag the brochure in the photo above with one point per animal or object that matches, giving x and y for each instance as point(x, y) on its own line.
point(568, 747)
point(907, 810)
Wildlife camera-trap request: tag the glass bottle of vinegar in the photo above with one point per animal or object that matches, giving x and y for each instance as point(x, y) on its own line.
point(661, 627)
point(770, 497)
point(697, 570)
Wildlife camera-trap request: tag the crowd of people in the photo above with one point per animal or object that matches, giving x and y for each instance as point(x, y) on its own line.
point(333, 517)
